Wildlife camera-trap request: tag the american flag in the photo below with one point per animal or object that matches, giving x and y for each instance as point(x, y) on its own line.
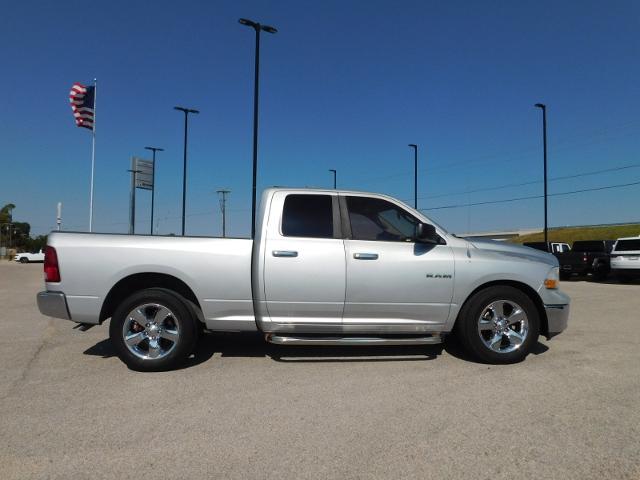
point(82, 103)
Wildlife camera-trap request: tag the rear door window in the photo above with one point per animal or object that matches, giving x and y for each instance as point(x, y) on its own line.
point(308, 216)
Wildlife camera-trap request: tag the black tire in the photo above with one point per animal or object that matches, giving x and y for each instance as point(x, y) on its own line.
point(467, 325)
point(24, 260)
point(624, 278)
point(180, 321)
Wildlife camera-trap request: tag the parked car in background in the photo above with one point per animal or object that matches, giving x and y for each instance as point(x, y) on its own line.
point(587, 257)
point(625, 258)
point(551, 247)
point(326, 267)
point(26, 257)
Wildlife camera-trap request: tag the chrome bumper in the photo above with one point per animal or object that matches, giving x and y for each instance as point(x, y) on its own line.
point(557, 318)
point(53, 304)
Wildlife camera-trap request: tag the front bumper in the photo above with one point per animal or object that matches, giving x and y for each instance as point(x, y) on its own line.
point(557, 318)
point(53, 304)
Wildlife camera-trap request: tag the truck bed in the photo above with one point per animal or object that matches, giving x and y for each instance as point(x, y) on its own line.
point(216, 270)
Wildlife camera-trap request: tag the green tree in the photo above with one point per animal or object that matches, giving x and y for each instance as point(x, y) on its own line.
point(5, 213)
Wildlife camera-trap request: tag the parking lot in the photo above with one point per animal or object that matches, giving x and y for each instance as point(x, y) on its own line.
point(245, 409)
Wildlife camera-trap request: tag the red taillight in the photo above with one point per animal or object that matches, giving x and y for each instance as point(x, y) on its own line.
point(51, 270)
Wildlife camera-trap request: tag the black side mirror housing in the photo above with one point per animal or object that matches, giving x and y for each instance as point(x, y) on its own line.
point(426, 233)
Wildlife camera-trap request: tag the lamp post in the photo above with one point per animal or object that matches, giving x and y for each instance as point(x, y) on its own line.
point(153, 180)
point(257, 28)
point(335, 174)
point(415, 174)
point(544, 143)
point(132, 201)
point(186, 111)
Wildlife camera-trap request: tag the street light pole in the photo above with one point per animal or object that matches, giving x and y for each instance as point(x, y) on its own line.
point(186, 111)
point(335, 174)
point(153, 180)
point(132, 201)
point(544, 143)
point(258, 28)
point(415, 174)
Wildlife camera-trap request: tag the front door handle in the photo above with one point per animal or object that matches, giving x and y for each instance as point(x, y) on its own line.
point(365, 256)
point(284, 253)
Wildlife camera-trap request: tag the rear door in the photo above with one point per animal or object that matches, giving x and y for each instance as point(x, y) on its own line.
point(304, 260)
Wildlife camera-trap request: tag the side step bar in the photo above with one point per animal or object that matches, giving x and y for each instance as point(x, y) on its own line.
point(310, 340)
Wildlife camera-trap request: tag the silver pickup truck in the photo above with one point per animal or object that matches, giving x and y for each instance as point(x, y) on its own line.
point(327, 267)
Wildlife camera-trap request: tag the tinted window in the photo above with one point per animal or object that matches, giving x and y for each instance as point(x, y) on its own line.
point(307, 216)
point(589, 246)
point(627, 245)
point(375, 219)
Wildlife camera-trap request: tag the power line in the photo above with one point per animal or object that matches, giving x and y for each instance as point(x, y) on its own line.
point(530, 197)
point(532, 182)
point(567, 143)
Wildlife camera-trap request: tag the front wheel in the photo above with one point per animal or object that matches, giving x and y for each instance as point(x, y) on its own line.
point(24, 260)
point(498, 325)
point(153, 330)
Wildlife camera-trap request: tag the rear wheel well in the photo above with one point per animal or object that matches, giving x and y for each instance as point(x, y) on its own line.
point(524, 288)
point(140, 281)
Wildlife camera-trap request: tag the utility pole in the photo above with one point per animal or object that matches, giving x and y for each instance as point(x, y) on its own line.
point(335, 174)
point(223, 207)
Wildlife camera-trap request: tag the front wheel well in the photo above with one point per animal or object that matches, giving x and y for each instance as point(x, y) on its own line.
point(140, 281)
point(524, 288)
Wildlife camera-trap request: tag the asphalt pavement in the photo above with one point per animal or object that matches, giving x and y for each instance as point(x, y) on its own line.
point(243, 409)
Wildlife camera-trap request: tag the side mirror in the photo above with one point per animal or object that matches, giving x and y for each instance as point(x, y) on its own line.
point(426, 233)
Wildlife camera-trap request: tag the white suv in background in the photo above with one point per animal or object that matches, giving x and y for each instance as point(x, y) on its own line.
point(625, 258)
point(26, 257)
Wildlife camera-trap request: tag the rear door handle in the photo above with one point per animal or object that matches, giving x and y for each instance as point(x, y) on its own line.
point(284, 253)
point(365, 256)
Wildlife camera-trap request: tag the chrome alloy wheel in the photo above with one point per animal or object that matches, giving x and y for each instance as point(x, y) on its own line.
point(150, 331)
point(503, 326)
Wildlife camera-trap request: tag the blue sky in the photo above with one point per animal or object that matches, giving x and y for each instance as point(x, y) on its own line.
point(344, 85)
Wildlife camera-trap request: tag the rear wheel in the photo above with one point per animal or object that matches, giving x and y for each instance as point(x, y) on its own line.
point(153, 330)
point(499, 325)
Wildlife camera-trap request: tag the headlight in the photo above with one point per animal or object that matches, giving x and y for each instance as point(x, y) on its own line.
point(553, 278)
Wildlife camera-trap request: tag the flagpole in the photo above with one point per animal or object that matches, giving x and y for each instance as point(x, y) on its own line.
point(93, 152)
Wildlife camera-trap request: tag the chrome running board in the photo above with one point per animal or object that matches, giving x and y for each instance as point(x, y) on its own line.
point(311, 340)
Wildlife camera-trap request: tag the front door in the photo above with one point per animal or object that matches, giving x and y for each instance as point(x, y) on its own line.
point(391, 279)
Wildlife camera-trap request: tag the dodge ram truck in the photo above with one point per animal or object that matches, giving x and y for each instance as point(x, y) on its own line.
point(326, 267)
